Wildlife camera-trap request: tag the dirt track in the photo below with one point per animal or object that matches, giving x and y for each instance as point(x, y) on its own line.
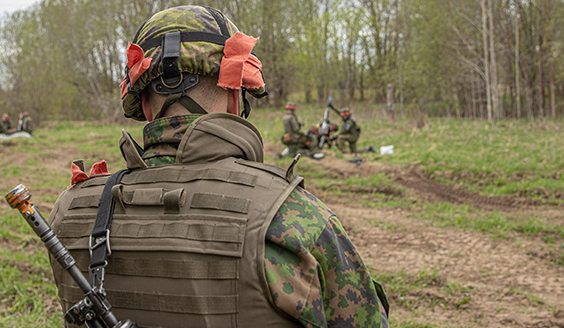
point(479, 281)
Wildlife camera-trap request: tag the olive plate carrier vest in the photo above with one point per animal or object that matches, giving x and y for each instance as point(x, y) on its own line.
point(187, 239)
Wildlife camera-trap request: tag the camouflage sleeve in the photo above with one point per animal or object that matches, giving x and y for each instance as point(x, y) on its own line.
point(295, 124)
point(314, 271)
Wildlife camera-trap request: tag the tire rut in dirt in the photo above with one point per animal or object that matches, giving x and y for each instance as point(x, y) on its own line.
point(413, 178)
point(410, 178)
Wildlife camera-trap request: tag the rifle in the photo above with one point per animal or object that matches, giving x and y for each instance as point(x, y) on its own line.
point(94, 309)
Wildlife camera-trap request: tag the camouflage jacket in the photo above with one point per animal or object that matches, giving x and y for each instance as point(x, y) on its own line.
point(5, 126)
point(315, 273)
point(291, 124)
point(350, 128)
point(27, 124)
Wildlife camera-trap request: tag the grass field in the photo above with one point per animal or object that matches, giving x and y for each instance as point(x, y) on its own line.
point(500, 157)
point(514, 160)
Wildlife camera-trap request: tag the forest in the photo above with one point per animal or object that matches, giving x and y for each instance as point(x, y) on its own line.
point(487, 59)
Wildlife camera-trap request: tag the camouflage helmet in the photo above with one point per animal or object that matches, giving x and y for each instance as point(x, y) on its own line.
point(176, 46)
point(346, 112)
point(291, 106)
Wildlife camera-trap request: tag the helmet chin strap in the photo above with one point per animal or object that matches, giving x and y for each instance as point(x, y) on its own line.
point(190, 104)
point(246, 105)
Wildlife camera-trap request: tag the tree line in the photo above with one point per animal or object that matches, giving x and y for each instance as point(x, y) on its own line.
point(489, 59)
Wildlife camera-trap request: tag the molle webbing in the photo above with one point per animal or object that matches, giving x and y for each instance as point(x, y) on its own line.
point(85, 201)
point(98, 181)
point(171, 200)
point(221, 202)
point(148, 197)
point(162, 302)
point(198, 229)
point(181, 174)
point(165, 268)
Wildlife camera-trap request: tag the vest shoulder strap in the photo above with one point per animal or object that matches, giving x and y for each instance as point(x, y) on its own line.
point(101, 230)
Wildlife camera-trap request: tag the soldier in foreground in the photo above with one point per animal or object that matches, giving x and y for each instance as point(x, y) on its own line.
point(204, 234)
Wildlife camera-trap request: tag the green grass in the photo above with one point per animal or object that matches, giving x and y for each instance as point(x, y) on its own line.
point(500, 157)
point(466, 217)
point(27, 291)
point(407, 290)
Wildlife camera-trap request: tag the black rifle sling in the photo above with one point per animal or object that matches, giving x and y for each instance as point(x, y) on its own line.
point(100, 238)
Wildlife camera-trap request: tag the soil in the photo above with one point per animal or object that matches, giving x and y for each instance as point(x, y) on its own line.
point(511, 282)
point(478, 280)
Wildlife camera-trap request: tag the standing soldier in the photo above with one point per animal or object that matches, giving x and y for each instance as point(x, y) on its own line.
point(5, 124)
point(204, 234)
point(297, 141)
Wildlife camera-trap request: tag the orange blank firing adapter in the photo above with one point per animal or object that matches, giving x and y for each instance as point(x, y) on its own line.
point(19, 198)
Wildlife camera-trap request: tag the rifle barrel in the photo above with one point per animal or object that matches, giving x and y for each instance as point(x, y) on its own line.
point(19, 198)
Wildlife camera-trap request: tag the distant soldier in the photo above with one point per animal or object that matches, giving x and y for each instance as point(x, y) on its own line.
point(297, 141)
point(26, 123)
point(349, 133)
point(5, 124)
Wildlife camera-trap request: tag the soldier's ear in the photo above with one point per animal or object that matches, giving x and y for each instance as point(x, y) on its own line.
point(146, 105)
point(233, 102)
